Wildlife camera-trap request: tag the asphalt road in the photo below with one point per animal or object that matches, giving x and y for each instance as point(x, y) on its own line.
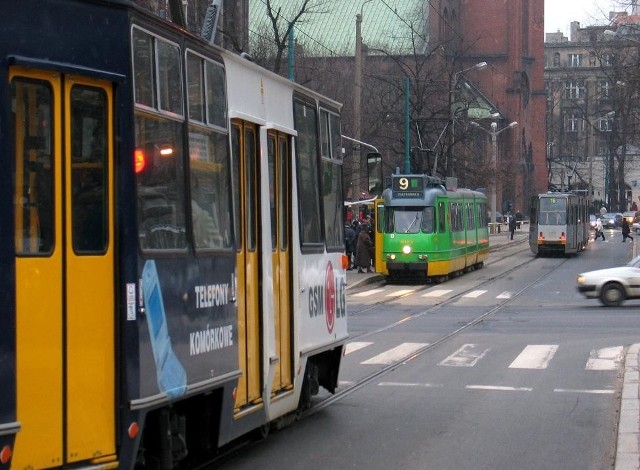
point(505, 367)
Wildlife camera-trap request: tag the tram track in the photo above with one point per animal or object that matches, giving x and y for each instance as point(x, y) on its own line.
point(340, 395)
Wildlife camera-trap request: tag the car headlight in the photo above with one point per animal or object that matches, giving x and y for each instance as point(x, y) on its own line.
point(581, 279)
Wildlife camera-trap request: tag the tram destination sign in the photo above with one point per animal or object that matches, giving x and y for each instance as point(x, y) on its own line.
point(408, 186)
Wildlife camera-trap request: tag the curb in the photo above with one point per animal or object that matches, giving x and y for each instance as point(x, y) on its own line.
point(628, 448)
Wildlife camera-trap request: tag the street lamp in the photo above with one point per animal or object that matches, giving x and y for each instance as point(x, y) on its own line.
point(494, 146)
point(452, 111)
point(357, 101)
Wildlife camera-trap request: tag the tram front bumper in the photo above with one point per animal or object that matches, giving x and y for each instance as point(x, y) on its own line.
point(414, 266)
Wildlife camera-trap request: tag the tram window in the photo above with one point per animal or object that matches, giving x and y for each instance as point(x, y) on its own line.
point(285, 185)
point(251, 189)
point(306, 118)
point(169, 77)
point(427, 225)
point(32, 116)
point(209, 183)
point(271, 156)
point(216, 97)
point(89, 162)
point(442, 226)
point(143, 66)
point(332, 188)
point(195, 88)
point(161, 207)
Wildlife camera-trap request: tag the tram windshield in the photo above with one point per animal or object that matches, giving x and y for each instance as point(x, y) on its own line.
point(553, 211)
point(410, 220)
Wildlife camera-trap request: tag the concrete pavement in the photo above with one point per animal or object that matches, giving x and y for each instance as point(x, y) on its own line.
point(628, 440)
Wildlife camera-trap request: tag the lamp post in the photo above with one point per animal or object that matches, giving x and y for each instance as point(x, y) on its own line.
point(357, 88)
point(494, 132)
point(452, 112)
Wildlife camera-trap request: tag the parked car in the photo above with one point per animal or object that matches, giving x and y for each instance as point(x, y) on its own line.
point(612, 286)
point(635, 227)
point(612, 220)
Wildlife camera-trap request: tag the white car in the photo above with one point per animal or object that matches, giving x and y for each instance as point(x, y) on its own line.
point(612, 286)
point(636, 227)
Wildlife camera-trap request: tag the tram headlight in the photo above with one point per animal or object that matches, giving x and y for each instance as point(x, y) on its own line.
point(406, 249)
point(391, 257)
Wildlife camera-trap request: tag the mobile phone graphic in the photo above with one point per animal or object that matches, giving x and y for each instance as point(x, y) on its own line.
point(171, 375)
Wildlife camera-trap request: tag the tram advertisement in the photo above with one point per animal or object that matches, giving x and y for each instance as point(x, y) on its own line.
point(190, 331)
point(327, 303)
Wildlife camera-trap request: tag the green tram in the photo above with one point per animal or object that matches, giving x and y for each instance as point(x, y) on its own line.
point(424, 230)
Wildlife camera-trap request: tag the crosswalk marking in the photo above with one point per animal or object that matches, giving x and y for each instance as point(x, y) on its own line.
point(409, 384)
point(367, 293)
point(355, 346)
point(605, 358)
point(466, 356)
point(474, 294)
point(504, 295)
point(592, 392)
point(437, 293)
point(400, 292)
point(497, 387)
point(535, 356)
point(395, 354)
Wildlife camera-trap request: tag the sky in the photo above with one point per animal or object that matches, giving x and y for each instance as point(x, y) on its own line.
point(558, 14)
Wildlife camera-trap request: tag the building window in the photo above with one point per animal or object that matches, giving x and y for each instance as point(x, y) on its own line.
point(606, 60)
point(604, 89)
point(556, 59)
point(573, 122)
point(574, 90)
point(605, 123)
point(592, 59)
point(575, 60)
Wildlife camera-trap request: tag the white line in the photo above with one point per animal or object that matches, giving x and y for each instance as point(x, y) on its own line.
point(436, 293)
point(594, 392)
point(605, 359)
point(395, 354)
point(355, 346)
point(466, 356)
point(367, 293)
point(504, 295)
point(401, 292)
point(535, 356)
point(498, 388)
point(405, 384)
point(474, 294)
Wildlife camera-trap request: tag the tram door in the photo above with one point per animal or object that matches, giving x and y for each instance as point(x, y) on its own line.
point(279, 183)
point(64, 269)
point(244, 138)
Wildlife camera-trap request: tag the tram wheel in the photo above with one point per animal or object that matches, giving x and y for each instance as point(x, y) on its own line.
point(612, 295)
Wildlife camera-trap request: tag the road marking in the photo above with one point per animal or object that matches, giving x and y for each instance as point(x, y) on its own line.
point(605, 358)
point(466, 356)
point(355, 346)
point(535, 356)
point(404, 384)
point(395, 354)
point(594, 392)
point(474, 294)
point(436, 293)
point(367, 293)
point(504, 295)
point(498, 388)
point(401, 292)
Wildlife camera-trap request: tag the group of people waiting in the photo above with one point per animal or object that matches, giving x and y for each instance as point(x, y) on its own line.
point(359, 242)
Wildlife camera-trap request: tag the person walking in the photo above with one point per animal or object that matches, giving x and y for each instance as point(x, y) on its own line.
point(363, 250)
point(599, 230)
point(626, 230)
point(349, 244)
point(512, 225)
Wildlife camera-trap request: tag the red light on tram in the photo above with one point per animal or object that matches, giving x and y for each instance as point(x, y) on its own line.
point(5, 454)
point(139, 160)
point(133, 430)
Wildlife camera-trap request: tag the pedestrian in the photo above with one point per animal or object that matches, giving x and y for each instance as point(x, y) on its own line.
point(363, 250)
point(626, 230)
point(634, 206)
point(349, 244)
point(599, 229)
point(512, 225)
